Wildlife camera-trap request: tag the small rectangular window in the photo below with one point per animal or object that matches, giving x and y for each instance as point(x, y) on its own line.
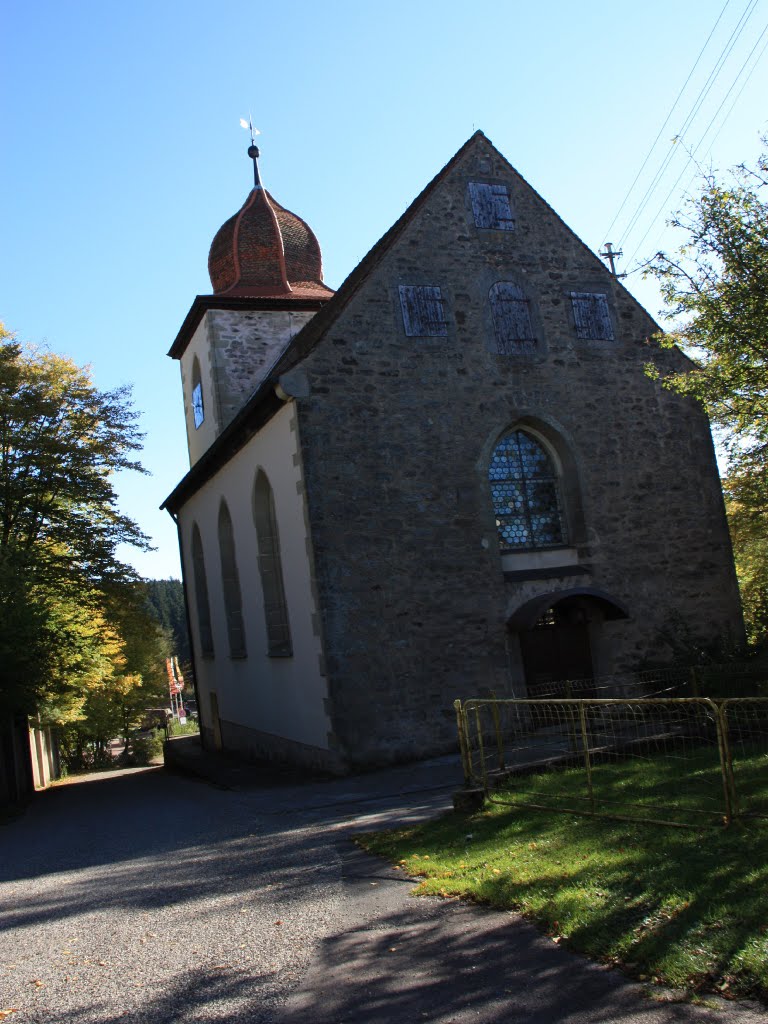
point(423, 313)
point(592, 316)
point(490, 206)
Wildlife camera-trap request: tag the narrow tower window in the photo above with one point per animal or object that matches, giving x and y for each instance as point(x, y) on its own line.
point(198, 408)
point(201, 595)
point(525, 493)
point(271, 570)
point(230, 581)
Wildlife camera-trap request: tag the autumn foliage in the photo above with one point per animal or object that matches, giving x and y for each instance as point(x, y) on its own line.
point(716, 287)
point(76, 646)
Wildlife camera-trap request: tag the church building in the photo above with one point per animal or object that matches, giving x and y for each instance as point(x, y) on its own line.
point(451, 476)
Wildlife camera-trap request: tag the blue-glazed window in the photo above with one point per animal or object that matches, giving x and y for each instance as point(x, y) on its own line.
point(198, 407)
point(198, 411)
point(525, 494)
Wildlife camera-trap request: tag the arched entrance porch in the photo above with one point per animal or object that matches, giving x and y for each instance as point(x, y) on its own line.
point(558, 633)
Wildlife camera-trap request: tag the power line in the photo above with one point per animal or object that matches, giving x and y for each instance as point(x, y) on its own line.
point(741, 90)
point(697, 104)
point(692, 154)
point(666, 121)
point(714, 75)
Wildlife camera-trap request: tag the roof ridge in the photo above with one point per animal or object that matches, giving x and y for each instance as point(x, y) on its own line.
point(300, 346)
point(236, 433)
point(302, 343)
point(311, 332)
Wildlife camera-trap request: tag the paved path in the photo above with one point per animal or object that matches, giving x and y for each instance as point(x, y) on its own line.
point(146, 898)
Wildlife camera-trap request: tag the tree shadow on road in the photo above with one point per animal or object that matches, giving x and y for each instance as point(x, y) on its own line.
point(451, 962)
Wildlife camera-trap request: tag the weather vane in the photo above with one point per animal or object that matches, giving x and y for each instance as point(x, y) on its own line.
point(253, 149)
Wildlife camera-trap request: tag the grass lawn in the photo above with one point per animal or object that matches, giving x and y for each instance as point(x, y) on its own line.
point(684, 907)
point(683, 787)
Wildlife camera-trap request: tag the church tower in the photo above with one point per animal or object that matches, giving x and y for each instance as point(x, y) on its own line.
point(266, 274)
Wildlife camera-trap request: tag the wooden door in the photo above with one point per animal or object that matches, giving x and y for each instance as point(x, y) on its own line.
point(553, 652)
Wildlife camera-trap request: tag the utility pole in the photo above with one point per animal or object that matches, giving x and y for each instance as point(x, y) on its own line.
point(610, 254)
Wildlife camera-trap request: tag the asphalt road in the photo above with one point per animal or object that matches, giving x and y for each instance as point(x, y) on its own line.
point(146, 898)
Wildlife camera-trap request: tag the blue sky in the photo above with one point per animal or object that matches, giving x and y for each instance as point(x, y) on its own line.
point(123, 152)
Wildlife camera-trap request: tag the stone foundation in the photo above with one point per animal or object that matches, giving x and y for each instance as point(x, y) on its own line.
point(253, 745)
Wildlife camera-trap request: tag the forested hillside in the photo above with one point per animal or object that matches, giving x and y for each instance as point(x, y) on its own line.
point(165, 603)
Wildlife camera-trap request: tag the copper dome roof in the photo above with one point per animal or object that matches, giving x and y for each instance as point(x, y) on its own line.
point(266, 251)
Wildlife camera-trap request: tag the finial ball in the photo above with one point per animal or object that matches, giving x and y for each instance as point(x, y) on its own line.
point(253, 152)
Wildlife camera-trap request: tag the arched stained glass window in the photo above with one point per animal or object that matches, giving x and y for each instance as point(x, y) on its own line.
point(271, 569)
point(201, 594)
point(230, 582)
point(525, 494)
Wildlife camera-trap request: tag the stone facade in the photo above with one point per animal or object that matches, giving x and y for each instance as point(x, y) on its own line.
point(235, 350)
point(418, 605)
point(397, 436)
point(247, 345)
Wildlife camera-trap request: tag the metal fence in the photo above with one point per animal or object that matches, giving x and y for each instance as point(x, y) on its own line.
point(718, 681)
point(666, 760)
point(745, 735)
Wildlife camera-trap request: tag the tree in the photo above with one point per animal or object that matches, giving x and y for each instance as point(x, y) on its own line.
point(717, 287)
point(61, 441)
point(114, 704)
point(750, 545)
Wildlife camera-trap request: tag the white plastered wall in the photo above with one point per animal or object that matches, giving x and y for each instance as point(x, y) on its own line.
point(201, 438)
point(283, 697)
point(235, 349)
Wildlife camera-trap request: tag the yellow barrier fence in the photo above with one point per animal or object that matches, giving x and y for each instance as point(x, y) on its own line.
point(673, 761)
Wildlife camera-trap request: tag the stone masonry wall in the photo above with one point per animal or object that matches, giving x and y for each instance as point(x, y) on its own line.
point(245, 345)
point(397, 432)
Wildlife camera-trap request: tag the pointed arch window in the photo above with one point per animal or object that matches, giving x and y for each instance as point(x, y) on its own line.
point(198, 407)
point(201, 595)
point(526, 494)
point(512, 325)
point(230, 581)
point(271, 569)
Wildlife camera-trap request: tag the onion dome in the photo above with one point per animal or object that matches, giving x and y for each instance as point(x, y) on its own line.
point(266, 251)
